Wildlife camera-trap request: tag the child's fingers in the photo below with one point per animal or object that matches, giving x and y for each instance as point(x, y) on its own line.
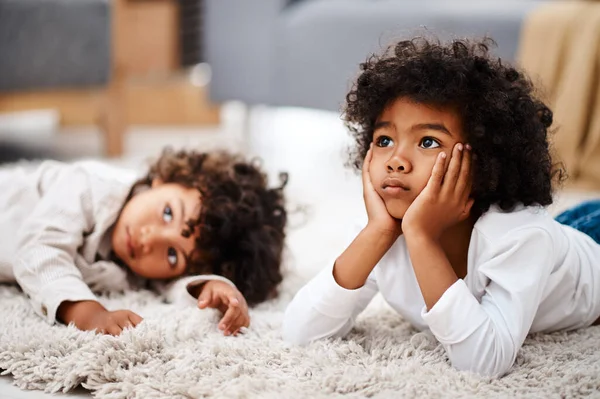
point(230, 315)
point(451, 175)
point(113, 329)
point(467, 209)
point(237, 323)
point(467, 192)
point(367, 160)
point(241, 321)
point(462, 184)
point(244, 308)
point(246, 322)
point(205, 298)
point(366, 178)
point(233, 301)
point(243, 303)
point(223, 299)
point(123, 319)
point(437, 173)
point(135, 319)
point(125, 323)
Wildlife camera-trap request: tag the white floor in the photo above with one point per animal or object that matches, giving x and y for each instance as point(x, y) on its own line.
point(309, 145)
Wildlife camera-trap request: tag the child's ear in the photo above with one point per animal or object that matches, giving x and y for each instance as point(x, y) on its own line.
point(156, 182)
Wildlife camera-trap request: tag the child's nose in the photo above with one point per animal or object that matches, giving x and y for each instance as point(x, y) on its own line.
point(149, 238)
point(153, 236)
point(398, 162)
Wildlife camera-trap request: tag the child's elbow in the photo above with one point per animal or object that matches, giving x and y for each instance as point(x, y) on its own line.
point(494, 362)
point(494, 370)
point(294, 337)
point(293, 333)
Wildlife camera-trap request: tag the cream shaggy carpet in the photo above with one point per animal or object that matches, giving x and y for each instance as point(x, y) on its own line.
point(179, 353)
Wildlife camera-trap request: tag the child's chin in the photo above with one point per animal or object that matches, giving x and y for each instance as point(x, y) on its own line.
point(396, 209)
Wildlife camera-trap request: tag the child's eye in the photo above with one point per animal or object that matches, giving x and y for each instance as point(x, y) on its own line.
point(167, 214)
point(383, 141)
point(172, 257)
point(428, 142)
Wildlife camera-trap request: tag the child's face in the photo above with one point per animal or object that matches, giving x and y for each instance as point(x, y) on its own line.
point(406, 141)
point(147, 235)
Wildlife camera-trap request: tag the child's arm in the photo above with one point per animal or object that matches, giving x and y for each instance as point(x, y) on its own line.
point(484, 335)
point(355, 264)
point(49, 239)
point(329, 304)
point(444, 202)
point(481, 336)
point(91, 315)
point(323, 309)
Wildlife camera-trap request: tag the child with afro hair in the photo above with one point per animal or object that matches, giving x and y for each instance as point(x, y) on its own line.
point(456, 172)
point(201, 228)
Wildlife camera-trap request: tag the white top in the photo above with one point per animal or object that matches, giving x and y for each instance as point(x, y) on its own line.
point(55, 240)
point(526, 273)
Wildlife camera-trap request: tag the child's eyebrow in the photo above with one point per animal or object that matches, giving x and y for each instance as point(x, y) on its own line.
point(420, 126)
point(182, 207)
point(431, 126)
point(380, 125)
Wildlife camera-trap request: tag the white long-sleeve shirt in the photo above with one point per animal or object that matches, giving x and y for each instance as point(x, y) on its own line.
point(56, 225)
point(526, 273)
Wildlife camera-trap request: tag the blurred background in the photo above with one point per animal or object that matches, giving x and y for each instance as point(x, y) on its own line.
point(120, 79)
point(103, 78)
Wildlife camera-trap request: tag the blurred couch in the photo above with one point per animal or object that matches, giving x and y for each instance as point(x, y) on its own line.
point(59, 54)
point(54, 44)
point(306, 52)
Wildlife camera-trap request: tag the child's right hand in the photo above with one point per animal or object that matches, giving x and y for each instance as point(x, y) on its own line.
point(113, 322)
point(225, 297)
point(379, 217)
point(91, 315)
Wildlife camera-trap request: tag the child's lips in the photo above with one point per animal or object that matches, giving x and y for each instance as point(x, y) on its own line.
point(393, 186)
point(394, 191)
point(130, 244)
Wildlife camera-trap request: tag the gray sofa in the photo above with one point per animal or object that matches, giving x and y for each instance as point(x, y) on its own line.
point(306, 52)
point(54, 44)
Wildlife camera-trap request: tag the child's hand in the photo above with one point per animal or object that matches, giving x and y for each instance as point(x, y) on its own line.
point(445, 199)
point(378, 214)
point(91, 315)
point(114, 322)
point(223, 296)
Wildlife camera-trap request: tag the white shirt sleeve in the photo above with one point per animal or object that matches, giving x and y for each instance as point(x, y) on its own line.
point(484, 336)
point(44, 263)
point(323, 309)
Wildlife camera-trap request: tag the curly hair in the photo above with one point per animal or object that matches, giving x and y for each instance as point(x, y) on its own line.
point(241, 222)
point(502, 119)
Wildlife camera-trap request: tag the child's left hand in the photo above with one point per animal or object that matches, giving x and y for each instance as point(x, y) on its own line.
point(445, 199)
point(223, 296)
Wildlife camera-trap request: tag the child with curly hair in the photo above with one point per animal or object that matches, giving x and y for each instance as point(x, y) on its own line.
point(456, 172)
point(195, 227)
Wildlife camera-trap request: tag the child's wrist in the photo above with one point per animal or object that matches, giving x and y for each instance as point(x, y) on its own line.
point(79, 312)
point(419, 236)
point(383, 232)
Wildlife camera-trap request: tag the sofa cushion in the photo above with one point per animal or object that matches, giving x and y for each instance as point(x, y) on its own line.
point(54, 43)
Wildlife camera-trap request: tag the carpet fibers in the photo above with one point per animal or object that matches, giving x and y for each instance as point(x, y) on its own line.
point(179, 353)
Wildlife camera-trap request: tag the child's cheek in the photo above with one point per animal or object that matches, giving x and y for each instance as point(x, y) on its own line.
point(375, 174)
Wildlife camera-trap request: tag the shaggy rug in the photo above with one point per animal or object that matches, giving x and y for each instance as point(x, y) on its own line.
point(179, 353)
